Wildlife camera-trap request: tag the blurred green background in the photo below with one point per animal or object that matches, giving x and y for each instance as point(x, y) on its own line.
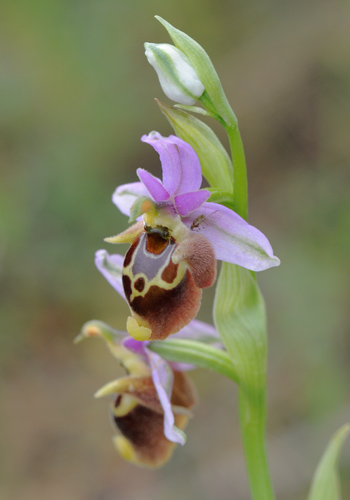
point(76, 94)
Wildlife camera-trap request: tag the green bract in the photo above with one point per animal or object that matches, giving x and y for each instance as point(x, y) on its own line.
point(196, 353)
point(239, 313)
point(215, 162)
point(214, 98)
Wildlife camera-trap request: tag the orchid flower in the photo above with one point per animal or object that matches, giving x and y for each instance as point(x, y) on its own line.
point(150, 406)
point(111, 267)
point(175, 246)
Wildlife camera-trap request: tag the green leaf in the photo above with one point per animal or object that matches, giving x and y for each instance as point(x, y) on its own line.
point(215, 162)
point(239, 314)
point(205, 71)
point(193, 109)
point(325, 484)
point(195, 353)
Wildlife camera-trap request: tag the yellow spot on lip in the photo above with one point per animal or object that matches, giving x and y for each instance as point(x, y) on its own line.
point(148, 218)
point(136, 331)
point(126, 405)
point(125, 449)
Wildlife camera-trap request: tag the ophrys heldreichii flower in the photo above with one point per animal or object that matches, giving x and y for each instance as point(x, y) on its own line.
point(176, 241)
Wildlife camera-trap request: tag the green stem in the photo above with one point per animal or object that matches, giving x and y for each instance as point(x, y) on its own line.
point(253, 436)
point(240, 183)
point(252, 405)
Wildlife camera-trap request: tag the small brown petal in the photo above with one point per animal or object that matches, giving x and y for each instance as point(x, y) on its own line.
point(141, 388)
point(184, 393)
point(199, 254)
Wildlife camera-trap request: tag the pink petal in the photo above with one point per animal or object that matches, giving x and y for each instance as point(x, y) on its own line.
point(233, 239)
point(111, 266)
point(125, 195)
point(186, 203)
point(180, 163)
point(163, 378)
point(153, 185)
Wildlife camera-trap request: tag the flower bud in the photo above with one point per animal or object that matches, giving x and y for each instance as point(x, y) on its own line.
point(177, 76)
